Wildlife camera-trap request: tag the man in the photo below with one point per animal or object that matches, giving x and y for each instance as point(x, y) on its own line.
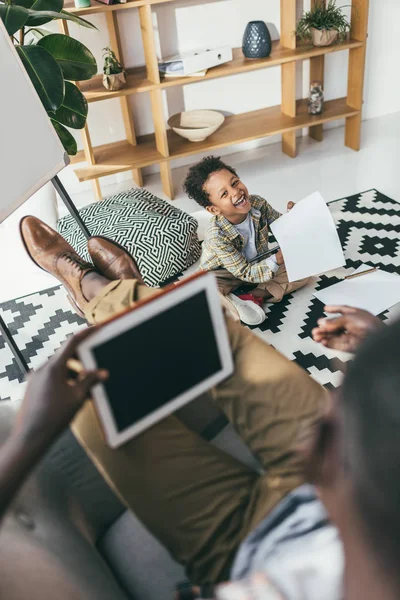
point(217, 517)
point(198, 501)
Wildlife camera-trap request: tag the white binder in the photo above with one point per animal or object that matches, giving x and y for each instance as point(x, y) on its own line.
point(192, 62)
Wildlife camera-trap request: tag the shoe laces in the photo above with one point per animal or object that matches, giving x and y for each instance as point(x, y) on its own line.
point(74, 260)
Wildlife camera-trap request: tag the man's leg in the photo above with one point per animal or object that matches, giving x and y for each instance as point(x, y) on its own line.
point(197, 500)
point(211, 500)
point(268, 399)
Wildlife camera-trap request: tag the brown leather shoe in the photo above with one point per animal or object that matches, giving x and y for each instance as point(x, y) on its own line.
point(53, 254)
point(112, 260)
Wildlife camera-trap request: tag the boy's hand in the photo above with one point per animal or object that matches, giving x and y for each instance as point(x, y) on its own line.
point(347, 331)
point(279, 257)
point(53, 396)
point(290, 206)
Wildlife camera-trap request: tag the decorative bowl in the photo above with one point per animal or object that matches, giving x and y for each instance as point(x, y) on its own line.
point(196, 125)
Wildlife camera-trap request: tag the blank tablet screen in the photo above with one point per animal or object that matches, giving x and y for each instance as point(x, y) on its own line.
point(154, 362)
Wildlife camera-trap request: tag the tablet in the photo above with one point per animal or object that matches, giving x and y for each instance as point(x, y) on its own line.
point(161, 354)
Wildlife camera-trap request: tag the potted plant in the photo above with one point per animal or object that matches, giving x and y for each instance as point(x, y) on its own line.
point(53, 61)
point(324, 24)
point(113, 71)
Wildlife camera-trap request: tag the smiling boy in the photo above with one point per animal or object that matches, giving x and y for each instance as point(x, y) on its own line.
point(237, 234)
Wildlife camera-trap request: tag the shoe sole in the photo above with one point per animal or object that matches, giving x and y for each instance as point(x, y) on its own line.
point(238, 302)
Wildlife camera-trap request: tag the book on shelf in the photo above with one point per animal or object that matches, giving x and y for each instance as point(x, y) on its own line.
point(198, 74)
point(112, 1)
point(189, 63)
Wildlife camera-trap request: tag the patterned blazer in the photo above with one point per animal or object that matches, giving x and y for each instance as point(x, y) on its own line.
point(223, 244)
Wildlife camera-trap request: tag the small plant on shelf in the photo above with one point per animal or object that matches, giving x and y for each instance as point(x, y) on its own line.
point(113, 72)
point(324, 24)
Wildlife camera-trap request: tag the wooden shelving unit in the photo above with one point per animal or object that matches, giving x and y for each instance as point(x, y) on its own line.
point(164, 145)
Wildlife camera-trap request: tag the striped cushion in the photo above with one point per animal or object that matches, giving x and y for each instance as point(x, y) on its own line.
point(161, 238)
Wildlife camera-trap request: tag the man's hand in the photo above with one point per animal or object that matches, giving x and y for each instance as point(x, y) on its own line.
point(289, 206)
point(54, 394)
point(347, 331)
point(279, 257)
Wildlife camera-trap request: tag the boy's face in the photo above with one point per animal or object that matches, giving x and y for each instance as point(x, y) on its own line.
point(228, 196)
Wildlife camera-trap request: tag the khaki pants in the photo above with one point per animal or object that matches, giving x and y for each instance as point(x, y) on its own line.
point(197, 500)
point(272, 290)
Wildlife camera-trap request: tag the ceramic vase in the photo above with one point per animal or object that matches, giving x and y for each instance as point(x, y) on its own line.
point(256, 40)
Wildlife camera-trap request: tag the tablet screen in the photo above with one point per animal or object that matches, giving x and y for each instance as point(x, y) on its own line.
point(157, 360)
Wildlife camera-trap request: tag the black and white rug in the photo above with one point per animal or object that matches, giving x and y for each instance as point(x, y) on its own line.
point(369, 229)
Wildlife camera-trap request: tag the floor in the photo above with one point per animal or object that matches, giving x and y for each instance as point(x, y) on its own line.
point(329, 167)
point(368, 226)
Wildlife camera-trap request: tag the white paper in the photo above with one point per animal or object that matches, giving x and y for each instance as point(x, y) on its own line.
point(374, 292)
point(308, 239)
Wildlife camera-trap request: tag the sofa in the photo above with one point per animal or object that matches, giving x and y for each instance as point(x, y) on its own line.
point(69, 510)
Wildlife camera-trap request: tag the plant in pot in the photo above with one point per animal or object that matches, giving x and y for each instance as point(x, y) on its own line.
point(113, 71)
point(52, 60)
point(324, 24)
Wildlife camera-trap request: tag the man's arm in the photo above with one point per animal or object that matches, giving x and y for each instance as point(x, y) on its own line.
point(52, 399)
point(347, 331)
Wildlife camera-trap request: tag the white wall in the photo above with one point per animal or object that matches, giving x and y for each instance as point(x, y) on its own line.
point(190, 24)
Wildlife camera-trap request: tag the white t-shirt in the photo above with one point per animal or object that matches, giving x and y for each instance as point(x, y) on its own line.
point(249, 251)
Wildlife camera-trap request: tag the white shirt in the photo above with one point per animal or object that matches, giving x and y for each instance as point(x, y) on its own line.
point(249, 250)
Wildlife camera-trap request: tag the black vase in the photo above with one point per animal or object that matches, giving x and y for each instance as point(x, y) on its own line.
point(256, 40)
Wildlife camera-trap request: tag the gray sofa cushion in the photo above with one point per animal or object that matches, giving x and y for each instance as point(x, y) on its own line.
point(162, 239)
point(143, 567)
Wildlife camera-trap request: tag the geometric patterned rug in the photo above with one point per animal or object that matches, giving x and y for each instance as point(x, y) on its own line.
point(369, 229)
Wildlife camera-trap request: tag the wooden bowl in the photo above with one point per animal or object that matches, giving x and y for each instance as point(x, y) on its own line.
point(196, 125)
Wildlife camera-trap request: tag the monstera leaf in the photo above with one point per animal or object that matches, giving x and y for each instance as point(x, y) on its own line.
point(76, 61)
point(45, 75)
point(74, 108)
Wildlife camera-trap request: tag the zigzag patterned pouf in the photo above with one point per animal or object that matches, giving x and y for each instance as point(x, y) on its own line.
point(369, 229)
point(162, 238)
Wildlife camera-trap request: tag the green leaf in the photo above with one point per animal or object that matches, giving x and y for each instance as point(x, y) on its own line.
point(74, 109)
point(13, 17)
point(37, 33)
point(76, 61)
point(45, 75)
point(67, 139)
point(39, 6)
point(78, 20)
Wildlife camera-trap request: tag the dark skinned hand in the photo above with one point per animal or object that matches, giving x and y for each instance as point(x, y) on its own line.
point(54, 394)
point(347, 331)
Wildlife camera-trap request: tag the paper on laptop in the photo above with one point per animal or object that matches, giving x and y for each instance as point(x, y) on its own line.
point(308, 239)
point(374, 292)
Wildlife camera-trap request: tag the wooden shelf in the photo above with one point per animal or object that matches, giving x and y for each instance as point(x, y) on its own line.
point(137, 80)
point(164, 146)
point(98, 7)
point(121, 156)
